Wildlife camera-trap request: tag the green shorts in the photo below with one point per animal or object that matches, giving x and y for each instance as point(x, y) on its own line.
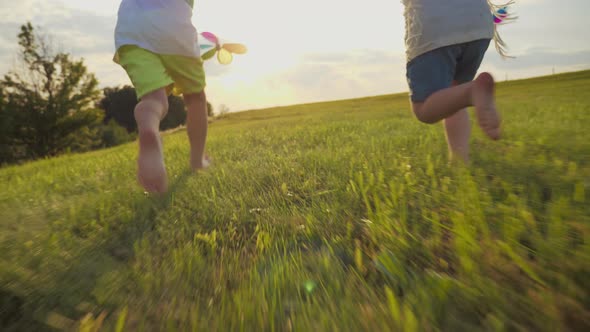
point(149, 71)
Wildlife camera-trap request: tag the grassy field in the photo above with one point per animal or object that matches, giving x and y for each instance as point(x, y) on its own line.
point(337, 216)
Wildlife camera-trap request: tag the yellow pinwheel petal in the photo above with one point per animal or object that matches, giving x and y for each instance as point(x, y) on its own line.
point(224, 57)
point(235, 48)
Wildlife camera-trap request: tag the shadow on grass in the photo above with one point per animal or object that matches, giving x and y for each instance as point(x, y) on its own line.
point(16, 316)
point(73, 294)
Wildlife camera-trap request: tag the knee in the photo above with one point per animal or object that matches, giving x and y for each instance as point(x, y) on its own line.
point(157, 100)
point(423, 118)
point(420, 114)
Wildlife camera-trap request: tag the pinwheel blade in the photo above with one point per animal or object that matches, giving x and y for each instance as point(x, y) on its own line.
point(210, 37)
point(209, 54)
point(235, 48)
point(224, 57)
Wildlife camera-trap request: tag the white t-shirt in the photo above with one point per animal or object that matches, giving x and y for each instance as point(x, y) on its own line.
point(160, 26)
point(431, 24)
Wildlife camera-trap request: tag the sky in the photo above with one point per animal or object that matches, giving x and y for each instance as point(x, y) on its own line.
point(305, 50)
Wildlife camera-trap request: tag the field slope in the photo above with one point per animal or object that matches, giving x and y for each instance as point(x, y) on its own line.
point(336, 216)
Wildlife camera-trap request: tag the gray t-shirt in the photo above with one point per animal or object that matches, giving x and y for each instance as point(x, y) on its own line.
point(432, 24)
point(160, 26)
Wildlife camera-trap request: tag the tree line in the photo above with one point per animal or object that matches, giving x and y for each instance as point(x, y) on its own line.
point(51, 104)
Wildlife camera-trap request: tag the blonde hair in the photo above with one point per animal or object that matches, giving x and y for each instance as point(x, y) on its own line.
point(501, 46)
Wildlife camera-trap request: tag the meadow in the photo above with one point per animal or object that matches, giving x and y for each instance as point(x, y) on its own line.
point(334, 216)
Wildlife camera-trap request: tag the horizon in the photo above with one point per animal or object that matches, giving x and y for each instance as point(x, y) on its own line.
point(498, 82)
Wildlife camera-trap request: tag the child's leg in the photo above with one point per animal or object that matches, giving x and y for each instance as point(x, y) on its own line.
point(458, 132)
point(444, 103)
point(196, 126)
point(151, 171)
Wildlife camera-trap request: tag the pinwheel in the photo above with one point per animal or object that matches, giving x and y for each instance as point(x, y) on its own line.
point(224, 51)
point(502, 16)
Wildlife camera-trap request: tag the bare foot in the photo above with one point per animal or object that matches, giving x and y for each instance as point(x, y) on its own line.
point(485, 105)
point(151, 171)
point(204, 164)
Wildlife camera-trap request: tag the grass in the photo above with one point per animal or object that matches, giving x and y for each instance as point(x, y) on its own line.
point(337, 216)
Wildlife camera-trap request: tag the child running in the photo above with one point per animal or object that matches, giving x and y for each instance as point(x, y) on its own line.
point(156, 44)
point(445, 44)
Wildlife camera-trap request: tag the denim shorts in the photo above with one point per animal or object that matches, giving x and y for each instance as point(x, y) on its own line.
point(437, 69)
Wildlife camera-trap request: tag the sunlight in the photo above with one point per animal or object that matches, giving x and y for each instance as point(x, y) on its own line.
point(285, 37)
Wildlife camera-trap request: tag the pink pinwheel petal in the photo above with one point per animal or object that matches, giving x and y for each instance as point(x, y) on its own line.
point(210, 37)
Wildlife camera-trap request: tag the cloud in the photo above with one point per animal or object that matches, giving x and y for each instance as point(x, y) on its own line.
point(301, 55)
point(541, 57)
point(359, 73)
point(315, 77)
point(346, 74)
point(82, 32)
point(75, 31)
point(17, 11)
point(536, 62)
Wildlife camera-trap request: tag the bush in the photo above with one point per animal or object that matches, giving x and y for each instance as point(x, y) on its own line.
point(113, 134)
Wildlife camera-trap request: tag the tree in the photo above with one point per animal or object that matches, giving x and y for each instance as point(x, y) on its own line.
point(210, 111)
point(176, 115)
point(47, 107)
point(113, 134)
point(119, 103)
point(8, 124)
point(223, 111)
